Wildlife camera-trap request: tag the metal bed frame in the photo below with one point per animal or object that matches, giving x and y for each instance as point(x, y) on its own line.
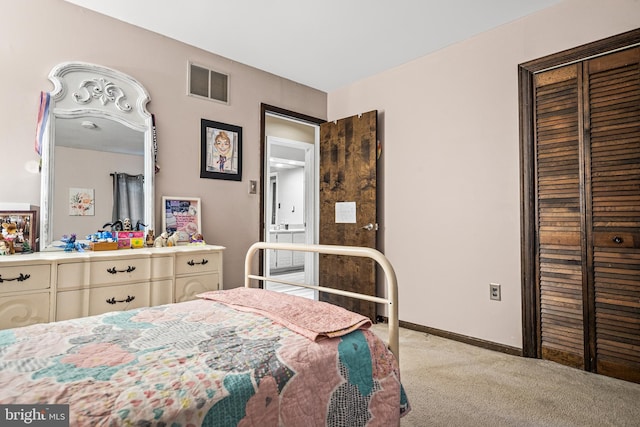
point(391, 300)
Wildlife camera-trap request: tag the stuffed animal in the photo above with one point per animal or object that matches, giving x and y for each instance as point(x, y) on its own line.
point(9, 230)
point(161, 240)
point(5, 246)
point(150, 240)
point(197, 239)
point(173, 240)
point(71, 244)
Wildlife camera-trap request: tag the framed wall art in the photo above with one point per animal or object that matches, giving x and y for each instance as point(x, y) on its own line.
point(21, 228)
point(221, 151)
point(81, 202)
point(181, 215)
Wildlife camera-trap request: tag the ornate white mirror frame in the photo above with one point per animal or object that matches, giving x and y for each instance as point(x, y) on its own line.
point(84, 91)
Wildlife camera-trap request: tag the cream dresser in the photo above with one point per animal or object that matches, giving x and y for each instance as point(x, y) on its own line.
point(48, 286)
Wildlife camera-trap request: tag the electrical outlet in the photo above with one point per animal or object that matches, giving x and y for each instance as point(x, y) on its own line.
point(494, 291)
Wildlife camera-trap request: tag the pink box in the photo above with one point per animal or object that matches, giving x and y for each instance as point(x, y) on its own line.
point(124, 243)
point(129, 234)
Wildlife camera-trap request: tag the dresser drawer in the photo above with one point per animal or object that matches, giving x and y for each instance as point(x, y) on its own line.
point(188, 287)
point(88, 302)
point(118, 271)
point(23, 310)
point(200, 262)
point(25, 277)
point(118, 298)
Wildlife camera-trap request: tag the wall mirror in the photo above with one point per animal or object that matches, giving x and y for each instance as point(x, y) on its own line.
point(93, 126)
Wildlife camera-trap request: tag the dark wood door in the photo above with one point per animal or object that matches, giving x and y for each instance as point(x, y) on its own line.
point(613, 210)
point(587, 198)
point(561, 272)
point(348, 189)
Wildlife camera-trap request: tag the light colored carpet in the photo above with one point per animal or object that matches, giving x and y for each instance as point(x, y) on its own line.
point(449, 383)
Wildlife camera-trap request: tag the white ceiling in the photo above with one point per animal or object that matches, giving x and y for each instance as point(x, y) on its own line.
point(322, 44)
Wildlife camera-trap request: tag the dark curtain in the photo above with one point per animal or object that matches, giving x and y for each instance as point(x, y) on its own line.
point(128, 197)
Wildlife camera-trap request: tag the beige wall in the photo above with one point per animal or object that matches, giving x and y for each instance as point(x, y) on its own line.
point(35, 35)
point(451, 177)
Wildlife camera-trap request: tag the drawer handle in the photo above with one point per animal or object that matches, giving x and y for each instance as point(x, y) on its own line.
point(192, 262)
point(113, 300)
point(113, 270)
point(618, 239)
point(21, 278)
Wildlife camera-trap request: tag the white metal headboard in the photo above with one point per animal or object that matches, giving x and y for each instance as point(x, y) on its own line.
point(390, 276)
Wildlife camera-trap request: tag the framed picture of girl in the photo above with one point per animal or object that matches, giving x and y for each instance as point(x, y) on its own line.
point(221, 151)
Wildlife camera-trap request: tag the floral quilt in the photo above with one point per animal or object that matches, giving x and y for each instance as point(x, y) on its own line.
point(200, 363)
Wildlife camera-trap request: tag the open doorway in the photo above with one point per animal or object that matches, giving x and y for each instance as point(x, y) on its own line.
point(289, 196)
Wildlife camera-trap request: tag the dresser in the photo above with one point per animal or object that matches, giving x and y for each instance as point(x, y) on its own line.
point(48, 286)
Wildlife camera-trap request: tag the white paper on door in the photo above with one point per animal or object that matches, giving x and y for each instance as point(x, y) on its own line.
point(346, 212)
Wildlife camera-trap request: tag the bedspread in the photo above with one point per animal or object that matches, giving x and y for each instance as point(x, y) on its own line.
point(200, 363)
point(313, 319)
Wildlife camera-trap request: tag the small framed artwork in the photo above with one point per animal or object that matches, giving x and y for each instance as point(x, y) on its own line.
point(81, 202)
point(21, 229)
point(221, 151)
point(181, 215)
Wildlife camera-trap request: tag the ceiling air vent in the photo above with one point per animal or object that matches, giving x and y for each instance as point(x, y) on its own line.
point(209, 84)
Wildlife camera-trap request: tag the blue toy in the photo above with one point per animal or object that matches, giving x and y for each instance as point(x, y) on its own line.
point(71, 244)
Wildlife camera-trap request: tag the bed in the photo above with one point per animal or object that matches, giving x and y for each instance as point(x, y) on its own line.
point(245, 356)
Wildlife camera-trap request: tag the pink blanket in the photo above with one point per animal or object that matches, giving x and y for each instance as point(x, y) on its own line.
point(313, 319)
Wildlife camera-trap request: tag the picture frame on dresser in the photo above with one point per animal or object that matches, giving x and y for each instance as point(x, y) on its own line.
point(21, 227)
point(182, 215)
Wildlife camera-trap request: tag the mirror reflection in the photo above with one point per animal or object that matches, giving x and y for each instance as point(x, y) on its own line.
point(91, 153)
point(97, 156)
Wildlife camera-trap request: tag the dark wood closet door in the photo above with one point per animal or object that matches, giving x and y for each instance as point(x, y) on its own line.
point(613, 85)
point(559, 216)
point(587, 166)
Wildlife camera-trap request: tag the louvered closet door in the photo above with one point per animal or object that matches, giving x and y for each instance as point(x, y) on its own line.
point(614, 111)
point(559, 218)
point(588, 214)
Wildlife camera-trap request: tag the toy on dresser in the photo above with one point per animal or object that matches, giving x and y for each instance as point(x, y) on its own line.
point(150, 239)
point(173, 239)
point(161, 240)
point(6, 246)
point(71, 244)
point(10, 236)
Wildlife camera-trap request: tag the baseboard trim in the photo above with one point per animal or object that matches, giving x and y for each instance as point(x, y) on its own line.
point(489, 345)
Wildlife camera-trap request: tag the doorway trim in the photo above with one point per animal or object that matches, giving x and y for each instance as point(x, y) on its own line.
point(265, 110)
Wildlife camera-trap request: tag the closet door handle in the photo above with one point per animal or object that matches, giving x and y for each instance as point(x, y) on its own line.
point(618, 239)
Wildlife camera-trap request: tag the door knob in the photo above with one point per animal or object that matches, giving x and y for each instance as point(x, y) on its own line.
point(370, 227)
